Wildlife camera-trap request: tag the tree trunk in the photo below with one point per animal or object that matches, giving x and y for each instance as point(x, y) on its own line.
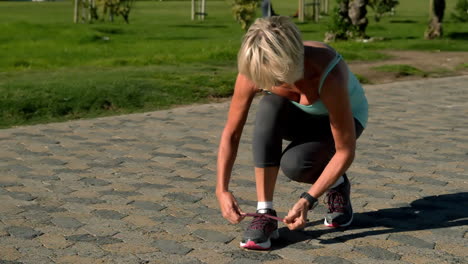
point(357, 13)
point(434, 29)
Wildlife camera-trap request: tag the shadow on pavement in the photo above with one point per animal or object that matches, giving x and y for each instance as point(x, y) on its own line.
point(432, 212)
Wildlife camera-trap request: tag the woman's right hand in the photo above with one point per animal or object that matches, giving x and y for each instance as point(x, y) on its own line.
point(229, 207)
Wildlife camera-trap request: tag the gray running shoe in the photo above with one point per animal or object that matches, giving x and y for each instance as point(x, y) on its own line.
point(260, 231)
point(340, 211)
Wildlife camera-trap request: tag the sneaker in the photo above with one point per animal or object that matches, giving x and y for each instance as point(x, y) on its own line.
point(260, 231)
point(340, 211)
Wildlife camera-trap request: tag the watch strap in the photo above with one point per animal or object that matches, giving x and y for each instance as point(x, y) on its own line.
point(312, 200)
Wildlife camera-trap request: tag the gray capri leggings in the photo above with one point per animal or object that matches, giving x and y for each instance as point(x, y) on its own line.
point(312, 145)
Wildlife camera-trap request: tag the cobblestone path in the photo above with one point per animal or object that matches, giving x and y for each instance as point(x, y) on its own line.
point(140, 188)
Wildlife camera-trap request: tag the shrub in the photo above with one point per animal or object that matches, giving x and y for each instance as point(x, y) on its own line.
point(244, 11)
point(461, 11)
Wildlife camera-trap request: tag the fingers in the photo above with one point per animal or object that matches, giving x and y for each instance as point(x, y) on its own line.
point(295, 219)
point(299, 224)
point(230, 208)
point(234, 217)
point(292, 215)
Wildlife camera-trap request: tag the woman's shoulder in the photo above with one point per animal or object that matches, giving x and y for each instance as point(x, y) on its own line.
point(318, 54)
point(319, 46)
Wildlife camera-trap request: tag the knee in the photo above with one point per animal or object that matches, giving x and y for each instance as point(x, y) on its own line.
point(294, 168)
point(300, 168)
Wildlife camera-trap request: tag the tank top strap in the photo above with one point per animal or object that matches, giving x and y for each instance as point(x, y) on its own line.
point(329, 68)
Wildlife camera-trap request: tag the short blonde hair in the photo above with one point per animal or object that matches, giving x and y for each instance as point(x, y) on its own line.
point(272, 52)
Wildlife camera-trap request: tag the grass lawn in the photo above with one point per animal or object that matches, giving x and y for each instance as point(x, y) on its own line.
point(54, 70)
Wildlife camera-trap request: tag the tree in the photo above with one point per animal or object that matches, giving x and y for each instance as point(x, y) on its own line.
point(381, 7)
point(244, 11)
point(348, 20)
point(92, 10)
point(434, 29)
point(461, 11)
point(357, 13)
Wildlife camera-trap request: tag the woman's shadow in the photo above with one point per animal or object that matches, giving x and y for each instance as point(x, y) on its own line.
point(432, 212)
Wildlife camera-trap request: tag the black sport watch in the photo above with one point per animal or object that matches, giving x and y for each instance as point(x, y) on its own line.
point(313, 202)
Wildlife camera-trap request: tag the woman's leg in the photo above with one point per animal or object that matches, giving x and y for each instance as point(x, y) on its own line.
point(311, 150)
point(304, 160)
point(267, 143)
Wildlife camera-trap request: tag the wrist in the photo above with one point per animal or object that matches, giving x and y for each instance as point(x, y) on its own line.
point(304, 204)
point(311, 201)
point(221, 191)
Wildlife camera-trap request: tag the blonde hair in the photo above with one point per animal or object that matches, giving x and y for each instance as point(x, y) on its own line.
point(272, 52)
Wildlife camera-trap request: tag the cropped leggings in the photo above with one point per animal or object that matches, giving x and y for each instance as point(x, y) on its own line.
point(311, 147)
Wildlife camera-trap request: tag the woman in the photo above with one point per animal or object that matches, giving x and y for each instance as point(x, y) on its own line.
point(311, 99)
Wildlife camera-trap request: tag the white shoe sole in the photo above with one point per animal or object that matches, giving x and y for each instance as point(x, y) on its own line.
point(260, 246)
point(325, 222)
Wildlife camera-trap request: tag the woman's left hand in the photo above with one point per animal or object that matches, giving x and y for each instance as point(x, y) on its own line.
point(297, 216)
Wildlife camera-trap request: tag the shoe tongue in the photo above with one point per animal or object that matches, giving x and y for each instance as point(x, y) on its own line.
point(263, 211)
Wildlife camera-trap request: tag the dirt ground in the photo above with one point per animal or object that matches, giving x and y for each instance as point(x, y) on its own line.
point(435, 64)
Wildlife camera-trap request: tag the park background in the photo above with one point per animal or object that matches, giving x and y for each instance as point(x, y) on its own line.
point(54, 70)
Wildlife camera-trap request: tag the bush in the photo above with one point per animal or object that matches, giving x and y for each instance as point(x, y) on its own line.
point(381, 7)
point(244, 12)
point(461, 11)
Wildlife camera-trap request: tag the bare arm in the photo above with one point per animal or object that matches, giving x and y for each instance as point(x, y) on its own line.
point(244, 92)
point(335, 97)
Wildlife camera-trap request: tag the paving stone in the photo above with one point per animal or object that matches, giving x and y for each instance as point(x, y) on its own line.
point(412, 241)
point(94, 182)
point(86, 201)
point(147, 205)
point(105, 240)
point(375, 193)
point(81, 238)
point(377, 253)
point(214, 236)
point(120, 193)
point(152, 185)
point(9, 184)
point(380, 168)
point(430, 181)
point(18, 168)
point(23, 232)
point(109, 214)
point(331, 260)
point(176, 220)
point(251, 255)
point(21, 196)
point(39, 177)
point(185, 179)
point(402, 187)
point(70, 171)
point(9, 262)
point(54, 162)
point(183, 197)
point(169, 155)
point(171, 247)
point(448, 232)
point(66, 222)
point(41, 208)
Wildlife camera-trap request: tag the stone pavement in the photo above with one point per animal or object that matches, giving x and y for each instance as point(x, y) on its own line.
point(140, 188)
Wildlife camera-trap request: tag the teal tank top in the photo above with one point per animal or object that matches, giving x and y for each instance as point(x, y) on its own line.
point(359, 105)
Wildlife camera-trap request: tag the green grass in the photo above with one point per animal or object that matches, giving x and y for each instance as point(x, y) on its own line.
point(463, 66)
point(401, 70)
point(362, 79)
point(54, 70)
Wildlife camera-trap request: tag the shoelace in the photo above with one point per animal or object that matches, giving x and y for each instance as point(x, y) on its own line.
point(335, 201)
point(262, 217)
